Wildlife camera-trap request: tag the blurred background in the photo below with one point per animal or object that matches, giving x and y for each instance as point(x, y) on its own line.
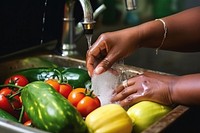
point(25, 24)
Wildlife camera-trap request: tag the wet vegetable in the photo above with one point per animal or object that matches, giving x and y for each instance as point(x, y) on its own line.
point(5, 115)
point(49, 110)
point(145, 113)
point(84, 100)
point(76, 77)
point(63, 88)
point(110, 118)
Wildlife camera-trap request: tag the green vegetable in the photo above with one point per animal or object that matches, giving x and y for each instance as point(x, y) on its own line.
point(5, 115)
point(76, 77)
point(49, 110)
point(40, 73)
point(145, 113)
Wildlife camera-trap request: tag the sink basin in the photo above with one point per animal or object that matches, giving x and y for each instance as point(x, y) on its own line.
point(9, 66)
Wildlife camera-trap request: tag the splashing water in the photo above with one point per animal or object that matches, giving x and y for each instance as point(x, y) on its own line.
point(43, 22)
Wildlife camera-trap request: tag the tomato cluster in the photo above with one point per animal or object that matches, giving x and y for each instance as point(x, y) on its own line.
point(83, 99)
point(63, 88)
point(10, 97)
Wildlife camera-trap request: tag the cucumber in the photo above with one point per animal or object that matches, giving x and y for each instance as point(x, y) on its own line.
point(7, 116)
point(49, 110)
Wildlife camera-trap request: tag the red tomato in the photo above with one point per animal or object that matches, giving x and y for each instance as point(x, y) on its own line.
point(28, 123)
point(5, 104)
point(14, 101)
point(76, 95)
point(85, 101)
point(54, 83)
point(6, 91)
point(87, 105)
point(18, 80)
point(64, 88)
point(25, 117)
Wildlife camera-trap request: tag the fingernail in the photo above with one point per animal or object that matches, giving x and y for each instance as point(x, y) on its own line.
point(89, 73)
point(99, 70)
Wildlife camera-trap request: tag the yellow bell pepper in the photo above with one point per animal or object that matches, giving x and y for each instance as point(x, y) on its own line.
point(145, 113)
point(110, 118)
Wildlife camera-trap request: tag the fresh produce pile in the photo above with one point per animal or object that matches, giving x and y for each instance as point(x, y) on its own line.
point(60, 100)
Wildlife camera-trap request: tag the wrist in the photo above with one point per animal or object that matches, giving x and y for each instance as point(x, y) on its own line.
point(151, 34)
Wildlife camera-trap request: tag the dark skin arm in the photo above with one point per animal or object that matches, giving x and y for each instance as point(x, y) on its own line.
point(183, 36)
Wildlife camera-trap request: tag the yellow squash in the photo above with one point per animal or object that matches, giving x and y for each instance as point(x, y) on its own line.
point(110, 118)
point(145, 113)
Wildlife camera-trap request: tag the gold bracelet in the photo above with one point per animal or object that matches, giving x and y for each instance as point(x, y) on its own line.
point(164, 36)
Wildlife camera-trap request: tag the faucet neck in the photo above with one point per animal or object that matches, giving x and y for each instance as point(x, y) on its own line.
point(68, 47)
point(130, 4)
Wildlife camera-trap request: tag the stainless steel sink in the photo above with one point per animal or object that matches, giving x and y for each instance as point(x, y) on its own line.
point(9, 66)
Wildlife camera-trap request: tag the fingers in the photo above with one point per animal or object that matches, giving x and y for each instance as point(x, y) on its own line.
point(123, 90)
point(90, 64)
point(94, 55)
point(99, 59)
point(131, 91)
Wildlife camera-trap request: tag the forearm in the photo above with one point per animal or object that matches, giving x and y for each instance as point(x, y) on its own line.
point(186, 90)
point(183, 32)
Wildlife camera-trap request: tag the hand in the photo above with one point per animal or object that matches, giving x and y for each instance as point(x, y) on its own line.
point(147, 86)
point(111, 47)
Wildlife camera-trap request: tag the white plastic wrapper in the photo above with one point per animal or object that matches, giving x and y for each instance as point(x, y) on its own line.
point(104, 84)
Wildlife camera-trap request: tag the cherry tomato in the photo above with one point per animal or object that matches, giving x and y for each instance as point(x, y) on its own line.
point(5, 104)
point(6, 91)
point(14, 101)
point(64, 88)
point(76, 95)
point(54, 83)
point(87, 105)
point(84, 100)
point(28, 123)
point(25, 117)
point(18, 80)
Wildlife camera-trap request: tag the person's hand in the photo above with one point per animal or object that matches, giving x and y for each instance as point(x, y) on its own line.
point(111, 47)
point(147, 86)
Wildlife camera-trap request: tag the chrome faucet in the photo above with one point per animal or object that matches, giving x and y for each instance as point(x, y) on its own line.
point(70, 31)
point(130, 4)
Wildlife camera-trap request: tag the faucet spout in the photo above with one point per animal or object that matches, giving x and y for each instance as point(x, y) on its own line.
point(130, 4)
point(88, 20)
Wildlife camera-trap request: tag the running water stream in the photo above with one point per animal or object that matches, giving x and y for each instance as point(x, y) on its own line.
point(43, 22)
point(89, 39)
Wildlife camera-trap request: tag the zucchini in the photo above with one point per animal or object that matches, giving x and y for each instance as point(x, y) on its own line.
point(49, 110)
